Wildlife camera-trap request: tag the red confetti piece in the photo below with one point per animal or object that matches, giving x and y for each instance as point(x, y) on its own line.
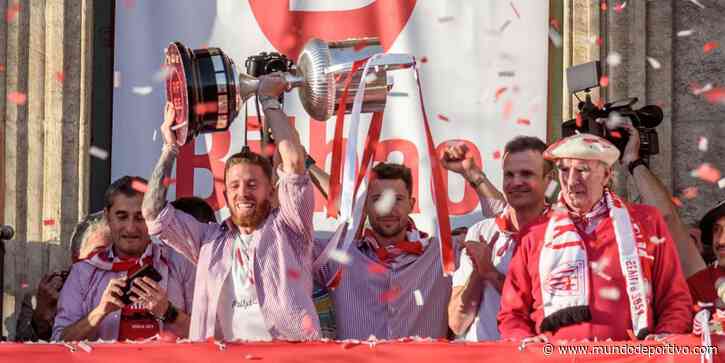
point(523, 121)
point(690, 192)
point(603, 5)
point(139, 186)
point(604, 81)
point(443, 118)
point(59, 76)
point(708, 173)
point(376, 268)
point(715, 95)
point(515, 11)
point(710, 46)
point(555, 24)
point(49, 222)
point(2, 67)
point(507, 108)
point(168, 181)
point(499, 92)
point(269, 149)
point(676, 201)
point(17, 98)
point(253, 124)
point(12, 12)
point(252, 357)
point(496, 155)
point(578, 120)
point(390, 295)
point(23, 285)
point(600, 41)
point(616, 134)
point(619, 6)
point(293, 274)
point(424, 59)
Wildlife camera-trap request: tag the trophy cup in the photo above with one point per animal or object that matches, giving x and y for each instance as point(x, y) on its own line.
point(207, 91)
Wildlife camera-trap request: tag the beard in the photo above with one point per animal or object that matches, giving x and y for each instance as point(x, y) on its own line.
point(387, 232)
point(261, 211)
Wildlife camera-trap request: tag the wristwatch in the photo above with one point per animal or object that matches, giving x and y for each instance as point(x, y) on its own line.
point(270, 103)
point(170, 315)
point(635, 164)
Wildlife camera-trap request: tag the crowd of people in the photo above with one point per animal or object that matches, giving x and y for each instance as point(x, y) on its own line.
point(584, 265)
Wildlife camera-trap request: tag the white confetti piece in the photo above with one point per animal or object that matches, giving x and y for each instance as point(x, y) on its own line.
point(154, 136)
point(418, 297)
point(614, 121)
point(657, 240)
point(178, 126)
point(685, 33)
point(445, 19)
point(116, 79)
point(506, 74)
point(696, 2)
point(504, 26)
point(371, 78)
point(162, 74)
point(654, 63)
point(551, 189)
point(555, 37)
point(704, 89)
point(614, 59)
point(721, 183)
point(609, 293)
point(385, 204)
point(702, 144)
point(398, 94)
point(143, 91)
point(340, 256)
point(83, 345)
point(97, 152)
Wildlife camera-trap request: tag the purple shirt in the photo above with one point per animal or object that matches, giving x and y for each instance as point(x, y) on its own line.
point(86, 283)
point(281, 256)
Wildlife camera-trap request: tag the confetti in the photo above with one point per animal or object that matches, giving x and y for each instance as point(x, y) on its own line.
point(499, 92)
point(523, 121)
point(424, 59)
point(418, 297)
point(496, 155)
point(59, 76)
point(506, 74)
point(715, 95)
point(702, 144)
point(376, 268)
point(677, 202)
point(443, 118)
point(604, 81)
point(515, 11)
point(603, 5)
point(139, 186)
point(445, 19)
point(709, 47)
point(555, 37)
point(696, 2)
point(339, 256)
point(579, 120)
point(721, 183)
point(162, 74)
point(504, 26)
point(685, 33)
point(507, 108)
point(551, 189)
point(12, 12)
point(398, 94)
point(143, 91)
point(86, 348)
point(17, 98)
point(116, 79)
point(168, 181)
point(707, 172)
point(390, 295)
point(609, 293)
point(293, 274)
point(619, 6)
point(23, 285)
point(49, 222)
point(657, 240)
point(615, 134)
point(555, 24)
point(98, 153)
point(2, 68)
point(654, 63)
point(385, 204)
point(252, 357)
point(690, 192)
point(154, 136)
point(178, 126)
point(614, 59)
point(371, 78)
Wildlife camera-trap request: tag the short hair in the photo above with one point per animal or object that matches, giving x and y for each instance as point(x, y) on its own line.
point(125, 186)
point(195, 207)
point(89, 224)
point(247, 156)
point(392, 171)
point(526, 143)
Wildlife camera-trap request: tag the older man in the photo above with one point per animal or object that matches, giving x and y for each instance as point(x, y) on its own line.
point(243, 289)
point(490, 243)
point(599, 268)
point(90, 305)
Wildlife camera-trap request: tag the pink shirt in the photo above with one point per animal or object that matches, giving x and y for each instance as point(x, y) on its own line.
point(86, 283)
point(281, 257)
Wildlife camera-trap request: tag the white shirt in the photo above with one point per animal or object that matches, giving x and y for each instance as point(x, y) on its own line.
point(239, 316)
point(484, 326)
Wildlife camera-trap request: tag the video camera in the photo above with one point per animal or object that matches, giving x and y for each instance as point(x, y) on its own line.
point(606, 121)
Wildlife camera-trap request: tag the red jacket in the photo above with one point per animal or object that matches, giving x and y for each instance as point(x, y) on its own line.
point(670, 311)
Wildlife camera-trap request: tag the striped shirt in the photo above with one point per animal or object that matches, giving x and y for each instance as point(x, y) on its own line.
point(281, 258)
point(408, 297)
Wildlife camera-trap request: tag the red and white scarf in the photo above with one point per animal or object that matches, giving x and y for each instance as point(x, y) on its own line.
point(105, 260)
point(564, 269)
point(414, 243)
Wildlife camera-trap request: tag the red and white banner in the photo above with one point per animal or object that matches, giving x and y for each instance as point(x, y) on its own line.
point(483, 66)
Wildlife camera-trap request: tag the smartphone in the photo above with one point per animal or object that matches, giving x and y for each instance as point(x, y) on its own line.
point(145, 271)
